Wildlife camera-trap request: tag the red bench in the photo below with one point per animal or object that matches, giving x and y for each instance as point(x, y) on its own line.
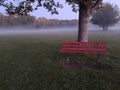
point(84, 48)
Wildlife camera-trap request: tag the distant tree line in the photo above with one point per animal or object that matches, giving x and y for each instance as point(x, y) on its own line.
point(10, 21)
point(47, 23)
point(33, 22)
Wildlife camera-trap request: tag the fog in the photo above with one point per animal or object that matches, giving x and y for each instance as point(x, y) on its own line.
point(25, 31)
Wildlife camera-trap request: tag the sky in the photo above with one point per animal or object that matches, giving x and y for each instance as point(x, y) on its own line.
point(65, 13)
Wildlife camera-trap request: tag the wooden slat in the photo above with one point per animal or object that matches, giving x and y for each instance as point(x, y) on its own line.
point(85, 52)
point(84, 47)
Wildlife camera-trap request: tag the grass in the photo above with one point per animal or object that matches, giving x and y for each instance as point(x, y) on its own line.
point(30, 62)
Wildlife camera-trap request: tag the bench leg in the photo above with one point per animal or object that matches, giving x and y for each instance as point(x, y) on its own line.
point(98, 62)
point(98, 59)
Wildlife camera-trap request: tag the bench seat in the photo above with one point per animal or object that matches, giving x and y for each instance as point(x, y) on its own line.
point(84, 47)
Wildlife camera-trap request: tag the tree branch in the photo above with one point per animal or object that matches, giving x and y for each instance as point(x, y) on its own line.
point(96, 5)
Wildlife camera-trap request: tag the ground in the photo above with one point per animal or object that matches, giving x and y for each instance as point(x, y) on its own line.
point(31, 62)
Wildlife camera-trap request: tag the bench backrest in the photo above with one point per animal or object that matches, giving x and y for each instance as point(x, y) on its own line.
point(84, 47)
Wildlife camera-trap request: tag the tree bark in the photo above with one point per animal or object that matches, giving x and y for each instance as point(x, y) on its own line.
point(83, 23)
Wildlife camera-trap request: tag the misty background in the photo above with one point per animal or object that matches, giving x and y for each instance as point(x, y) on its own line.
point(41, 21)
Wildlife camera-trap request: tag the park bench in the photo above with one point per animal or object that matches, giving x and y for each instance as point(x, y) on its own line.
point(98, 48)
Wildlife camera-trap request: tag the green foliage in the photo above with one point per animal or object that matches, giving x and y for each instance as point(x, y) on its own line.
point(91, 4)
point(106, 16)
point(26, 6)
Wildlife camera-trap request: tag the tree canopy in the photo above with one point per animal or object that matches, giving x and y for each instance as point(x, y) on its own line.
point(91, 4)
point(106, 16)
point(26, 6)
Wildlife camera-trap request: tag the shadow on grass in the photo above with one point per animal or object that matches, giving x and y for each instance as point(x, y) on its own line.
point(81, 62)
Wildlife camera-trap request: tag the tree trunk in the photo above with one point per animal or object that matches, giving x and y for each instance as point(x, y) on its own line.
point(105, 28)
point(83, 22)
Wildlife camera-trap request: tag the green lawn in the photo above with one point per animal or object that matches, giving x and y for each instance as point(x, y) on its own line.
point(30, 62)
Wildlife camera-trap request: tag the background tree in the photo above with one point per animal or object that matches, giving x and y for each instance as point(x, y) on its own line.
point(106, 16)
point(41, 22)
point(84, 7)
point(1, 19)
